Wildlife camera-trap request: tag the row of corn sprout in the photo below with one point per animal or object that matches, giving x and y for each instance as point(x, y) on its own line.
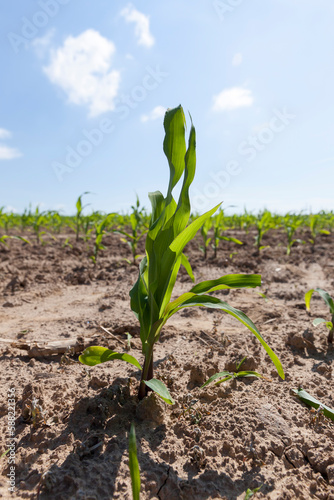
point(42, 227)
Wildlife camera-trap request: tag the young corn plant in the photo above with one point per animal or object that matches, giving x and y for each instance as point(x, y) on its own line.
point(225, 375)
point(99, 233)
point(138, 230)
point(246, 221)
point(78, 216)
point(318, 321)
point(205, 237)
point(315, 225)
point(311, 401)
point(168, 234)
point(38, 222)
point(291, 223)
point(263, 224)
point(218, 228)
point(6, 237)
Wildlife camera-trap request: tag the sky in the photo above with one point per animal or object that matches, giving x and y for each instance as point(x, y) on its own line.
point(84, 87)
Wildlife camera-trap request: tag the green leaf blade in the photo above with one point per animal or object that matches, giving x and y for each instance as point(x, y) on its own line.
point(186, 264)
point(318, 321)
point(215, 376)
point(311, 401)
point(214, 303)
point(228, 281)
point(95, 355)
point(160, 388)
point(133, 464)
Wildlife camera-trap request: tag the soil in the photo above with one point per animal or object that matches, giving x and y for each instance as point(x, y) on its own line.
point(72, 421)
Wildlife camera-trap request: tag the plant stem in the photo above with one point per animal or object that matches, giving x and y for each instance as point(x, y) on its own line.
point(147, 374)
point(331, 332)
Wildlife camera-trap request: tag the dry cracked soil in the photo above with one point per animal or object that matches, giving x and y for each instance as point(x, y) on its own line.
point(72, 421)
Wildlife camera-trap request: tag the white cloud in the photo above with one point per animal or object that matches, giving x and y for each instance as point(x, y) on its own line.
point(5, 134)
point(41, 45)
point(233, 98)
point(7, 153)
point(142, 25)
point(156, 113)
point(82, 68)
point(237, 59)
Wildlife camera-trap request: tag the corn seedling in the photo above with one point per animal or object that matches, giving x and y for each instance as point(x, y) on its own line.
point(87, 225)
point(128, 341)
point(311, 401)
point(291, 223)
point(218, 227)
point(137, 231)
point(25, 219)
point(133, 464)
point(316, 228)
point(205, 237)
point(263, 224)
point(318, 321)
point(6, 220)
point(67, 243)
point(99, 233)
point(245, 221)
point(6, 237)
point(250, 493)
point(38, 222)
point(78, 216)
point(232, 375)
point(167, 236)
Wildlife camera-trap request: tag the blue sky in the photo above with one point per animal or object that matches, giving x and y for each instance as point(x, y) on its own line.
point(84, 86)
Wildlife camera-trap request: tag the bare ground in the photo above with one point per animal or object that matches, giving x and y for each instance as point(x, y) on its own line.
point(242, 434)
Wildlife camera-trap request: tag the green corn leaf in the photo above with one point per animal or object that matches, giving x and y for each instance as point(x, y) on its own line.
point(228, 281)
point(171, 259)
point(160, 388)
point(168, 248)
point(238, 366)
point(183, 207)
point(248, 373)
point(189, 232)
point(311, 401)
point(133, 464)
point(326, 297)
point(22, 239)
point(94, 355)
point(186, 264)
point(230, 238)
point(225, 374)
point(78, 204)
point(228, 376)
point(318, 321)
point(213, 302)
point(174, 144)
point(139, 301)
point(250, 493)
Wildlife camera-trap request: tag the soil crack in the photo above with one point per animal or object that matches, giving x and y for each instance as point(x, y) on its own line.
point(164, 483)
